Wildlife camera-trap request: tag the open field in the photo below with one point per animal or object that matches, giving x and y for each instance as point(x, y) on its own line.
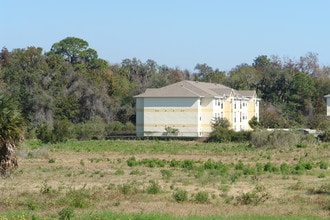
point(160, 180)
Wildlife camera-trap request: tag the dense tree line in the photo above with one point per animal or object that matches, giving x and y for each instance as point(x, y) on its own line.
point(69, 92)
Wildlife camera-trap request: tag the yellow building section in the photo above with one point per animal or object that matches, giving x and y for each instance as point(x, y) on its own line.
point(174, 125)
point(174, 110)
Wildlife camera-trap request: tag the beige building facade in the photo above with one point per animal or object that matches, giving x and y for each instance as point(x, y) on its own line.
point(187, 108)
point(328, 104)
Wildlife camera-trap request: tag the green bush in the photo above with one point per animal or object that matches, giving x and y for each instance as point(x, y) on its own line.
point(180, 195)
point(94, 128)
point(202, 197)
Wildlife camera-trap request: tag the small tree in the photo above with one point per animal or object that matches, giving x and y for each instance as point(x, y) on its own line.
point(220, 130)
point(254, 123)
point(11, 134)
point(171, 131)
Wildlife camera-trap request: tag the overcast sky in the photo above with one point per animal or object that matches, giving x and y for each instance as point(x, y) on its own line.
point(176, 33)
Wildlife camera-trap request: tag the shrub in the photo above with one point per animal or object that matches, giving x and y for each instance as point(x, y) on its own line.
point(276, 138)
point(202, 197)
point(180, 195)
point(94, 128)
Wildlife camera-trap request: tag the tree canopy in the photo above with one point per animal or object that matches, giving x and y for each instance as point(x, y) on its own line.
point(70, 85)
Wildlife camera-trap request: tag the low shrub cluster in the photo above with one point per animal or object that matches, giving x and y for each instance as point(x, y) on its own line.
point(93, 129)
point(281, 138)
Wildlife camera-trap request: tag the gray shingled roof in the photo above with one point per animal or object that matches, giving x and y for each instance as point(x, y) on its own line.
point(188, 88)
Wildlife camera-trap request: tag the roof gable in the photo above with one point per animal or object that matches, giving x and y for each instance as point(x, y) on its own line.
point(188, 88)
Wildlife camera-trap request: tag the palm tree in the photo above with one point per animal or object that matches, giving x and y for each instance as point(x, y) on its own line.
point(11, 134)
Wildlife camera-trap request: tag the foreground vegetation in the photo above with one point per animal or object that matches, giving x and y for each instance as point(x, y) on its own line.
point(167, 180)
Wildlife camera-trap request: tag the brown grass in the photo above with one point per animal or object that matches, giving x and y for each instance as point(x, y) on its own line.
point(46, 183)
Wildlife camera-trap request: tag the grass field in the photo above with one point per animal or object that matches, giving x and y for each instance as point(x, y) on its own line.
point(167, 180)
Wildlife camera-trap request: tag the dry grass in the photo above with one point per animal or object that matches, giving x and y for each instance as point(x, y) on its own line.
point(50, 179)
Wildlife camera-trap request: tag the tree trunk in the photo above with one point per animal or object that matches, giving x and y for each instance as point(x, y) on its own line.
point(8, 159)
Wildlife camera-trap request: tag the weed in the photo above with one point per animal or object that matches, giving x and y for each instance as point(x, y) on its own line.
point(175, 163)
point(224, 188)
point(66, 213)
point(125, 188)
point(77, 198)
point(32, 204)
point(269, 167)
point(285, 168)
point(153, 188)
point(239, 166)
point(45, 188)
point(256, 196)
point(51, 160)
point(202, 197)
point(132, 162)
point(234, 176)
point(297, 186)
point(188, 164)
point(119, 172)
point(136, 172)
point(321, 175)
point(180, 195)
point(166, 174)
point(323, 165)
point(301, 145)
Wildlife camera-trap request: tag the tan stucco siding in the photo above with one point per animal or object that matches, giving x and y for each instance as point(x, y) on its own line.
point(178, 113)
point(139, 117)
point(206, 115)
point(328, 106)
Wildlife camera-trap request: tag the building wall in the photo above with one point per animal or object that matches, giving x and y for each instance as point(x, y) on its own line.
point(192, 116)
point(328, 106)
point(159, 113)
point(206, 116)
point(139, 116)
